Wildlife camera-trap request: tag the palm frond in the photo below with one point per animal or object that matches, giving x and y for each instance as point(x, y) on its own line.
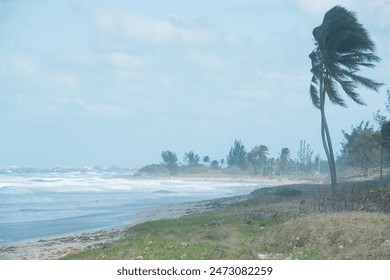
point(349, 88)
point(315, 99)
point(354, 61)
point(366, 82)
point(331, 90)
point(343, 33)
point(340, 32)
point(315, 60)
point(343, 46)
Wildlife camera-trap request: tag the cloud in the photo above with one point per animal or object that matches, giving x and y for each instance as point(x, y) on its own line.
point(376, 12)
point(122, 60)
point(76, 6)
point(206, 59)
point(66, 80)
point(77, 57)
point(280, 77)
point(75, 105)
point(23, 65)
point(105, 110)
point(148, 30)
point(317, 9)
point(31, 71)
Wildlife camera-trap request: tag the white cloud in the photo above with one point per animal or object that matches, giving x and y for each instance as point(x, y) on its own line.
point(123, 60)
point(377, 12)
point(76, 105)
point(146, 29)
point(275, 76)
point(23, 65)
point(66, 80)
point(76, 5)
point(31, 71)
point(105, 110)
point(77, 57)
point(233, 41)
point(207, 59)
point(126, 75)
point(317, 9)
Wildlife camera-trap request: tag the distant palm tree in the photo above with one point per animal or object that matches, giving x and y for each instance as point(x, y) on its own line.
point(257, 157)
point(284, 158)
point(342, 47)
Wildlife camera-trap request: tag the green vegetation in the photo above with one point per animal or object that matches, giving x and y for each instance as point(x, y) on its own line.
point(237, 155)
point(305, 154)
point(257, 158)
point(284, 160)
point(169, 161)
point(379, 117)
point(343, 46)
point(256, 162)
point(191, 159)
point(361, 148)
point(359, 156)
point(271, 223)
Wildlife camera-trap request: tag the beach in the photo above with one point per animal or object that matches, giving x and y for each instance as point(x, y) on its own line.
point(59, 246)
point(55, 248)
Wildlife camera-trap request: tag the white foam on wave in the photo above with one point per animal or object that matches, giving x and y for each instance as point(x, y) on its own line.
point(25, 198)
point(62, 183)
point(100, 183)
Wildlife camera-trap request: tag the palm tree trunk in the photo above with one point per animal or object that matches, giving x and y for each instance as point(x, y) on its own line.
point(326, 140)
point(331, 159)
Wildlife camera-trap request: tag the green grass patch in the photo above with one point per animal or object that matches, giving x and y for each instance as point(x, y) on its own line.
point(219, 234)
point(254, 230)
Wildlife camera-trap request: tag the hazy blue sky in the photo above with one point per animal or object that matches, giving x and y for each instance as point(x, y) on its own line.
point(118, 82)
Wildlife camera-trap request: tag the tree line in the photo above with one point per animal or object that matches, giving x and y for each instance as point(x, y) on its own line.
point(360, 148)
point(255, 161)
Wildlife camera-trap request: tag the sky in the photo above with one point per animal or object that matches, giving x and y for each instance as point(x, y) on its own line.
point(99, 82)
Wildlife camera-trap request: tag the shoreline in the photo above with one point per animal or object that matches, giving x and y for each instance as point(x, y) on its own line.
point(51, 248)
point(271, 181)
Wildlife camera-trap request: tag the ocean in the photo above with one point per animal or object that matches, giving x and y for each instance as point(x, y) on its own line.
point(43, 205)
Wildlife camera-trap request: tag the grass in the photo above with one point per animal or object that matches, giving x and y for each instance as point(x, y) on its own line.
point(265, 226)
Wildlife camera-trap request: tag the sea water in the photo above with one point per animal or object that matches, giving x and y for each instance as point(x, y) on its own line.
point(42, 205)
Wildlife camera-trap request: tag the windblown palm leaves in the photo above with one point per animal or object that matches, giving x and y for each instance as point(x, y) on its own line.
point(343, 46)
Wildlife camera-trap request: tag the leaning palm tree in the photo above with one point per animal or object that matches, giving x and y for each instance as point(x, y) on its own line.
point(342, 47)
